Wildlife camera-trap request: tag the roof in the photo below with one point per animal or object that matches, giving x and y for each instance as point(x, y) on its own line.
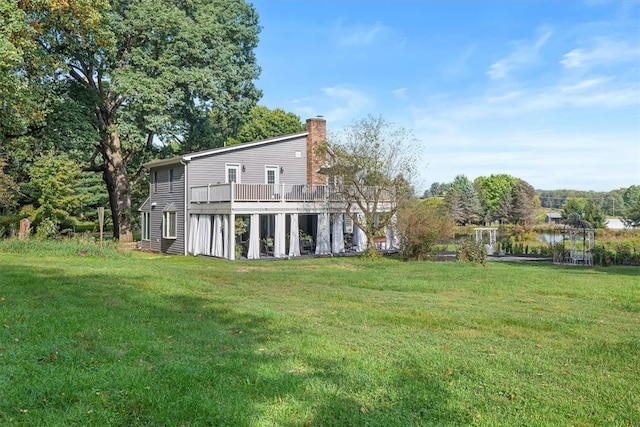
point(554, 215)
point(225, 149)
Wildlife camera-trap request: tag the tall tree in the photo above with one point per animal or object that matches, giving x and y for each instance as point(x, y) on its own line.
point(586, 209)
point(523, 201)
point(491, 190)
point(150, 71)
point(631, 215)
point(370, 161)
point(262, 123)
point(462, 201)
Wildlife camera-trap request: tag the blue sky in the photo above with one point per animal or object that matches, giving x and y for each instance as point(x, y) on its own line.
point(547, 91)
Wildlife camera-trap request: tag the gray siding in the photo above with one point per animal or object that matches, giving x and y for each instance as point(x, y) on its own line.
point(162, 198)
point(211, 169)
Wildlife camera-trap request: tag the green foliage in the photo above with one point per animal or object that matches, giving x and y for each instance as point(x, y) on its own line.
point(631, 215)
point(262, 123)
point(46, 229)
point(610, 202)
point(121, 76)
point(54, 176)
point(8, 188)
point(422, 225)
point(492, 190)
point(472, 251)
point(462, 202)
point(587, 210)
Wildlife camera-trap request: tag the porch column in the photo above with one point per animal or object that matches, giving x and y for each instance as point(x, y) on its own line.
point(337, 245)
point(231, 236)
point(225, 236)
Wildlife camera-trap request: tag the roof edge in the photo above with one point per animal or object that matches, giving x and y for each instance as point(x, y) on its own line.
point(225, 149)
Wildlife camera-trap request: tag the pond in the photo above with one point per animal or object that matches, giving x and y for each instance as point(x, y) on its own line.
point(550, 238)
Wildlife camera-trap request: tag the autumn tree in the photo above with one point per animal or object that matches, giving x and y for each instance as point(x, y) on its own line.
point(523, 203)
point(150, 73)
point(371, 161)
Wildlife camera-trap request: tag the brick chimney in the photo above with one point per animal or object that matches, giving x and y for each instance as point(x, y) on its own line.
point(317, 128)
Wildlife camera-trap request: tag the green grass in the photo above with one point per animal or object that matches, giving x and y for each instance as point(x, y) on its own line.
point(144, 339)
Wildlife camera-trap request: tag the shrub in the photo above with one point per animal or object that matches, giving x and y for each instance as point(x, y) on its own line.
point(421, 226)
point(472, 251)
point(47, 229)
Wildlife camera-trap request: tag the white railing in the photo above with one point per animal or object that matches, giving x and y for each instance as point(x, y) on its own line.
point(213, 193)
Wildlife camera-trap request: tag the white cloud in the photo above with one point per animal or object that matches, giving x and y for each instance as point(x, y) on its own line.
point(360, 35)
point(603, 51)
point(524, 53)
point(344, 102)
point(400, 93)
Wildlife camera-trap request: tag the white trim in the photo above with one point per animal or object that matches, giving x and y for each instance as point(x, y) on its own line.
point(232, 166)
point(145, 226)
point(276, 173)
point(169, 218)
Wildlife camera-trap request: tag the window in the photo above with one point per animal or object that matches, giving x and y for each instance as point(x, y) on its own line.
point(145, 226)
point(171, 180)
point(169, 225)
point(155, 181)
point(271, 175)
point(232, 173)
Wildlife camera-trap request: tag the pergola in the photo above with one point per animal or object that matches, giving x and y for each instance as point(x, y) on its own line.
point(491, 233)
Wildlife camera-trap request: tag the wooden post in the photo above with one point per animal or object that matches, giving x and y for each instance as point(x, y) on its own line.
point(24, 229)
point(101, 221)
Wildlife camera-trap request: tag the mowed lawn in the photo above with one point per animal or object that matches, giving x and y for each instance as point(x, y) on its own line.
point(144, 339)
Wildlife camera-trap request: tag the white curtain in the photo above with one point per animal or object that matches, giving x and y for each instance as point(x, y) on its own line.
point(294, 241)
point(254, 237)
point(216, 246)
point(360, 236)
point(279, 240)
point(203, 240)
point(193, 232)
point(391, 236)
point(225, 235)
point(323, 244)
point(337, 245)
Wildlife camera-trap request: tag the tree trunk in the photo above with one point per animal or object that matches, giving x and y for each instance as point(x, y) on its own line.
point(115, 176)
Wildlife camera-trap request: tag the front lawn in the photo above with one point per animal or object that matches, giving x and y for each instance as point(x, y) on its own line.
point(102, 338)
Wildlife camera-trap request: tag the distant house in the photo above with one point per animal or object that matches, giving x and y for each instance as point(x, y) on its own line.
point(271, 189)
point(553, 218)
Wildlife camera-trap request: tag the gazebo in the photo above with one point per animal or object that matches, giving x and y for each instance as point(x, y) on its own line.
point(581, 241)
point(491, 234)
point(582, 238)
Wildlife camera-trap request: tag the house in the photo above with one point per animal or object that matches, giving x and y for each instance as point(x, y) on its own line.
point(553, 218)
point(257, 199)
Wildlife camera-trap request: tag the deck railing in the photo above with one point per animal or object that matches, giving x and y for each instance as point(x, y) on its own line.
point(213, 193)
